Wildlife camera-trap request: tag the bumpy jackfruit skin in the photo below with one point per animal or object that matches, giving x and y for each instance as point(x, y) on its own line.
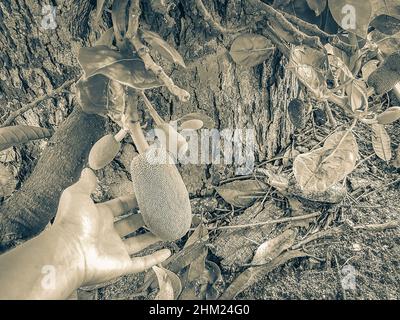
point(387, 76)
point(161, 194)
point(103, 152)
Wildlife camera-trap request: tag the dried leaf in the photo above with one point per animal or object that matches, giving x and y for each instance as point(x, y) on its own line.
point(352, 15)
point(318, 170)
point(163, 47)
point(169, 284)
point(386, 24)
point(254, 274)
point(381, 142)
point(241, 193)
point(197, 267)
point(272, 248)
point(194, 124)
point(368, 68)
point(15, 135)
point(396, 162)
point(250, 50)
point(317, 6)
point(208, 122)
point(388, 116)
point(200, 233)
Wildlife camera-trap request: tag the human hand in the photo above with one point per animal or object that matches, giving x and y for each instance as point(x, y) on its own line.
point(89, 230)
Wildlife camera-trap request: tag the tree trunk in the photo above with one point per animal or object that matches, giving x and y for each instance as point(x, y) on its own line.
point(34, 61)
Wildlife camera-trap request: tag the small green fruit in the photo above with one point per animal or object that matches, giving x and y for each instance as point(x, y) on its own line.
point(103, 152)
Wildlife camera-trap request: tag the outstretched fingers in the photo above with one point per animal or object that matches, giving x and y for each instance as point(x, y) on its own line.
point(120, 205)
point(140, 264)
point(129, 224)
point(138, 243)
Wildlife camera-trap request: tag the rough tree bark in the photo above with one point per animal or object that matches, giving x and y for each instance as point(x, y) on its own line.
point(34, 61)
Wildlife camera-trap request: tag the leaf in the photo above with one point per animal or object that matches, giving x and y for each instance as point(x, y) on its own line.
point(15, 135)
point(254, 274)
point(357, 92)
point(388, 116)
point(128, 71)
point(7, 181)
point(250, 50)
point(99, 95)
point(199, 233)
point(197, 267)
point(386, 44)
point(368, 68)
point(99, 10)
point(352, 15)
point(386, 24)
point(396, 161)
point(194, 124)
point(208, 122)
point(381, 142)
point(272, 248)
point(120, 17)
point(106, 39)
point(317, 6)
point(318, 170)
point(169, 284)
point(241, 193)
point(386, 7)
point(309, 65)
point(163, 47)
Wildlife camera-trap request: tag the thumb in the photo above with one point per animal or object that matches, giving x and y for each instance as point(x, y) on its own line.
point(86, 184)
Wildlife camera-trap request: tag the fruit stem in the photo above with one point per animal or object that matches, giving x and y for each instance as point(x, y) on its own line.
point(121, 135)
point(153, 112)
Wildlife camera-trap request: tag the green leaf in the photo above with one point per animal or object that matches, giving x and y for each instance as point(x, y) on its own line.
point(100, 95)
point(386, 24)
point(320, 169)
point(106, 39)
point(385, 7)
point(129, 71)
point(352, 15)
point(15, 135)
point(163, 47)
point(381, 142)
point(368, 68)
point(241, 193)
point(386, 44)
point(357, 92)
point(388, 116)
point(250, 50)
point(120, 17)
point(317, 6)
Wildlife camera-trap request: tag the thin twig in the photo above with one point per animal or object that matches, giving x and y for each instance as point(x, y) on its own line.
point(379, 189)
point(13, 115)
point(256, 224)
point(313, 30)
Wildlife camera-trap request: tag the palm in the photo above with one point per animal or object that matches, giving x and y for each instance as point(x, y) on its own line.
point(92, 228)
